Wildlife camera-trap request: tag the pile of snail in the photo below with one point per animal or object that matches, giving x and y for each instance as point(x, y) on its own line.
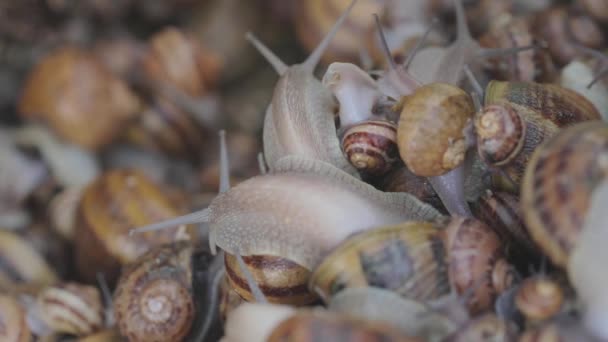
point(422, 187)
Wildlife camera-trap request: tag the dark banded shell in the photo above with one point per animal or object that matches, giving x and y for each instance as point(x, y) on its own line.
point(153, 300)
point(371, 146)
point(281, 280)
point(558, 186)
point(501, 211)
point(309, 326)
point(111, 206)
point(539, 298)
point(229, 299)
point(544, 109)
point(476, 262)
point(71, 308)
point(409, 259)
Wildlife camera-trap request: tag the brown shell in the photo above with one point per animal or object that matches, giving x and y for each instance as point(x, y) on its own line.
point(314, 19)
point(13, 321)
point(562, 28)
point(153, 300)
point(500, 133)
point(164, 127)
point(558, 185)
point(539, 298)
point(501, 211)
point(111, 206)
point(544, 109)
point(229, 298)
point(177, 59)
point(430, 133)
point(282, 281)
point(71, 308)
point(409, 259)
point(476, 261)
point(79, 98)
point(371, 146)
point(400, 179)
point(327, 326)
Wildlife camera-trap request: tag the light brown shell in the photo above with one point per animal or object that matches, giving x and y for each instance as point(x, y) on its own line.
point(13, 322)
point(371, 146)
point(430, 137)
point(559, 181)
point(539, 298)
point(282, 281)
point(229, 298)
point(81, 100)
point(109, 208)
point(409, 259)
point(153, 300)
point(71, 308)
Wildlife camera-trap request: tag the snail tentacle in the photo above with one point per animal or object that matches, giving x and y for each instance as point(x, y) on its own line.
point(278, 65)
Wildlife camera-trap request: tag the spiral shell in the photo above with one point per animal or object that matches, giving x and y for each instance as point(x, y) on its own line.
point(475, 254)
point(13, 323)
point(153, 299)
point(558, 185)
point(112, 205)
point(519, 116)
point(371, 146)
point(79, 98)
point(282, 281)
point(409, 259)
point(71, 308)
point(21, 264)
point(539, 298)
point(430, 132)
point(400, 179)
point(229, 298)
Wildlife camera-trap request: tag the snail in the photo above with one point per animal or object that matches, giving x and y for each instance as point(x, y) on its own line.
point(518, 116)
point(153, 300)
point(597, 9)
point(229, 299)
point(488, 327)
point(108, 208)
point(271, 322)
point(299, 120)
point(76, 95)
point(419, 260)
point(539, 298)
point(13, 320)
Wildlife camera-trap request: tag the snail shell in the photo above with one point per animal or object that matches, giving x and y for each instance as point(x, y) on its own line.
point(110, 206)
point(430, 132)
point(557, 187)
point(13, 321)
point(229, 298)
point(519, 116)
point(485, 328)
point(71, 308)
point(153, 299)
point(400, 179)
point(282, 281)
point(371, 146)
point(409, 259)
point(539, 298)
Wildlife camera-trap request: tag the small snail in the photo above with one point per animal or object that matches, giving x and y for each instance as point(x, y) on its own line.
point(271, 322)
point(79, 98)
point(518, 116)
point(299, 120)
point(13, 321)
point(153, 299)
point(539, 298)
point(21, 265)
point(402, 258)
point(281, 281)
point(71, 308)
point(109, 207)
point(371, 146)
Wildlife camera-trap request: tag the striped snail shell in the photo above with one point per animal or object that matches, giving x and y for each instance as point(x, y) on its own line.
point(153, 300)
point(519, 116)
point(110, 206)
point(409, 259)
point(13, 321)
point(229, 298)
point(281, 280)
point(539, 298)
point(371, 146)
point(558, 184)
point(71, 308)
